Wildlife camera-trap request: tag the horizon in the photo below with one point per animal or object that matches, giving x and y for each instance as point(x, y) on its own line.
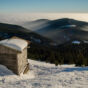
point(18, 18)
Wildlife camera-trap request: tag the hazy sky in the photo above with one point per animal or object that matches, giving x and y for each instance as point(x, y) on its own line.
point(53, 6)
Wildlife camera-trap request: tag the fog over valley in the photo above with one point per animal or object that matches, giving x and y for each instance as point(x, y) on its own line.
point(19, 18)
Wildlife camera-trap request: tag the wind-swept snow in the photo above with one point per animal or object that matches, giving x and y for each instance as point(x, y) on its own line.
point(45, 75)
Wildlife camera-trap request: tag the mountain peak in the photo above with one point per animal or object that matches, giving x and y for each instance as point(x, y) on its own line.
point(41, 20)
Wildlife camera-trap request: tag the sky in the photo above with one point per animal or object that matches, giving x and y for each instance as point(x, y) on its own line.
point(44, 6)
point(16, 11)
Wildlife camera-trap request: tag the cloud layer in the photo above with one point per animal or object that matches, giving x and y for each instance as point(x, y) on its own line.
point(18, 18)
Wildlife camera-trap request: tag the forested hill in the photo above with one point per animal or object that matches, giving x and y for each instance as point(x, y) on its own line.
point(45, 49)
point(68, 53)
point(9, 30)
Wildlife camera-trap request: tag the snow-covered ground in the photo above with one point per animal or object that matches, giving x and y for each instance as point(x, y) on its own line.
point(45, 75)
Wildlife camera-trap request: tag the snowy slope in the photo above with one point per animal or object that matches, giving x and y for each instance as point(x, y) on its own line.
point(45, 75)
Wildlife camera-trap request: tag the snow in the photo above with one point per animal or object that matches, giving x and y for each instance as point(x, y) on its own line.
point(45, 75)
point(76, 42)
point(85, 41)
point(68, 26)
point(18, 44)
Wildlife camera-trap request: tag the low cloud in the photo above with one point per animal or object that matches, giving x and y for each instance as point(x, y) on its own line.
point(18, 18)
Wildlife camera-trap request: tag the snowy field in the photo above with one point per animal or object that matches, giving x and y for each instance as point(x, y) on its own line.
point(44, 75)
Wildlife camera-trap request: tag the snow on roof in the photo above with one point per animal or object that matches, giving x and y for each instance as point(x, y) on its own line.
point(17, 44)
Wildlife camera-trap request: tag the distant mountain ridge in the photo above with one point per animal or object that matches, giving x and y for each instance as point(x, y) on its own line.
point(10, 30)
point(53, 32)
point(35, 25)
point(62, 30)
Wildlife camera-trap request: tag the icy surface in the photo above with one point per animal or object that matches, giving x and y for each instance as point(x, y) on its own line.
point(45, 75)
point(17, 44)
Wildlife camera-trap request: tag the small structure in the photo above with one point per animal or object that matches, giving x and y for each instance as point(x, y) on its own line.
point(13, 54)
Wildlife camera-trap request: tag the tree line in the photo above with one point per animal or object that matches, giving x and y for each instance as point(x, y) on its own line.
point(64, 54)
